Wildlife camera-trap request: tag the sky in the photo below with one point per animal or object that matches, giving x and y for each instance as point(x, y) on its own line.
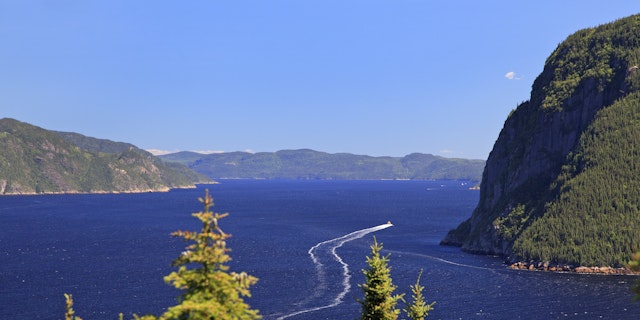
point(381, 78)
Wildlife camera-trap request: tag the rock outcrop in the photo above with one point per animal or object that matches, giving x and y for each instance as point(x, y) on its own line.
point(546, 266)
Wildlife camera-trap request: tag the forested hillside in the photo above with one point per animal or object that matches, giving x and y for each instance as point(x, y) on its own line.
point(35, 160)
point(310, 164)
point(561, 183)
point(595, 218)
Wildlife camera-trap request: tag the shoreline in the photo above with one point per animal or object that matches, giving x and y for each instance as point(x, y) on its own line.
point(74, 192)
point(543, 266)
point(564, 268)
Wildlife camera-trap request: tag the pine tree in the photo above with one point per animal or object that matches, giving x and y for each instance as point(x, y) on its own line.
point(211, 292)
point(70, 313)
point(379, 302)
point(418, 309)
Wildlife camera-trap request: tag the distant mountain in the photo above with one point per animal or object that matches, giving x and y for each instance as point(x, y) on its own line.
point(183, 157)
point(561, 185)
point(310, 164)
point(34, 160)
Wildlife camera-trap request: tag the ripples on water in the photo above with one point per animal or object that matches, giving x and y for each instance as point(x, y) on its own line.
point(111, 252)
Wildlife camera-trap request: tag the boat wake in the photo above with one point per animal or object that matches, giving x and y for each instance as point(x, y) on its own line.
point(323, 254)
point(441, 260)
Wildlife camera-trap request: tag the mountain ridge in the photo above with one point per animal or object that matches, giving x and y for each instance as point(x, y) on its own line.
point(311, 164)
point(40, 161)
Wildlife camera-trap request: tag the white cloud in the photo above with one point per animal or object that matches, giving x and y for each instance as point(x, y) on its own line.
point(446, 151)
point(157, 152)
point(511, 75)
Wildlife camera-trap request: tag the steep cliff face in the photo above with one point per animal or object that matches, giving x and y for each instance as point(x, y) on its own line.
point(586, 73)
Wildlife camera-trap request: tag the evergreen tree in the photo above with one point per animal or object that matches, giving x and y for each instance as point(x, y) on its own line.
point(211, 292)
point(418, 309)
point(379, 302)
point(70, 313)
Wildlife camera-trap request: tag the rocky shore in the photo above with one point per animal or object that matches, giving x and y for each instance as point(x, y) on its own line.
point(546, 266)
point(142, 190)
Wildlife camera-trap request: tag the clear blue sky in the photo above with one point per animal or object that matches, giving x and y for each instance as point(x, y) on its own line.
point(366, 77)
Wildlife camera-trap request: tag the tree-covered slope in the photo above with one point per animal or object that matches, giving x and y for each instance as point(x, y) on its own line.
point(183, 157)
point(35, 160)
point(595, 217)
point(310, 164)
point(93, 144)
point(559, 185)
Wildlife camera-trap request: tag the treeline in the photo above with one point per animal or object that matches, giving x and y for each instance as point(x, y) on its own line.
point(602, 56)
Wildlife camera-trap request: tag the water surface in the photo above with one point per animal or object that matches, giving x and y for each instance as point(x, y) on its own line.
point(111, 252)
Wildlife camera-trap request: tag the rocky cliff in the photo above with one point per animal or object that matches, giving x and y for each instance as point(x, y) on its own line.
point(534, 157)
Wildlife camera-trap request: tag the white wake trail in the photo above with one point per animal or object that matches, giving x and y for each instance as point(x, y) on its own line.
point(441, 260)
point(331, 246)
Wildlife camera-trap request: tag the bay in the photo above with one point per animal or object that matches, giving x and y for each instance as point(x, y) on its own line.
point(111, 252)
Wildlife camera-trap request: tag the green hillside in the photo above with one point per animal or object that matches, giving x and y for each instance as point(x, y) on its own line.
point(93, 144)
point(595, 216)
point(310, 164)
point(560, 185)
point(35, 160)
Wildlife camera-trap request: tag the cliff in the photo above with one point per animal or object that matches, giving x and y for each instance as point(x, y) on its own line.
point(550, 185)
point(35, 160)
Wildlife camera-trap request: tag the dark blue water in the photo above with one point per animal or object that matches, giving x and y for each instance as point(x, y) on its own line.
point(111, 252)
